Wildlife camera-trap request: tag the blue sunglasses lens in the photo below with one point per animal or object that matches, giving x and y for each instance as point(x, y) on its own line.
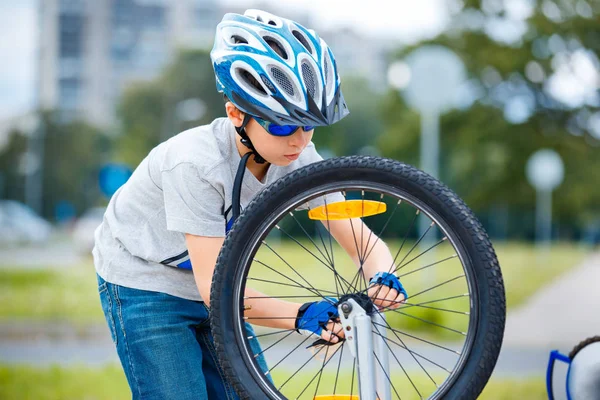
point(284, 130)
point(281, 130)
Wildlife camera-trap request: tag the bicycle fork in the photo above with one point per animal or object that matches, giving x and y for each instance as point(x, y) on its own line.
point(367, 345)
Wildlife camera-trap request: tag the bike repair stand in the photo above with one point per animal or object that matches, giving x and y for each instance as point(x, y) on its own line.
point(367, 345)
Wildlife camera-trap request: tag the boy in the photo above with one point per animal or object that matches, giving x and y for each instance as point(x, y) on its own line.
point(157, 246)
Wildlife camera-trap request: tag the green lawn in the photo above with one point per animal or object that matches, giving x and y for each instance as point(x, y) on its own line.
point(55, 383)
point(70, 294)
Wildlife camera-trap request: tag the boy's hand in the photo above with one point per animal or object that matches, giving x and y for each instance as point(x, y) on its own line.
point(386, 291)
point(320, 318)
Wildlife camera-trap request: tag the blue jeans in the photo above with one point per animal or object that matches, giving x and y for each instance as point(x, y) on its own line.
point(165, 345)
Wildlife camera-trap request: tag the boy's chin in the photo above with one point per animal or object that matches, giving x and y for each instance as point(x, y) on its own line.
point(281, 162)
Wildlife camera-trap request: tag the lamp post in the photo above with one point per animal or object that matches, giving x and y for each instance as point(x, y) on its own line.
point(545, 172)
point(33, 161)
point(429, 80)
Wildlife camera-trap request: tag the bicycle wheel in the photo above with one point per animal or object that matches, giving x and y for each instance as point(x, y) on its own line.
point(442, 343)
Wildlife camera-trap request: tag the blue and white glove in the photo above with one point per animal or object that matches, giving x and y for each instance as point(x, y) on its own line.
point(313, 317)
point(389, 280)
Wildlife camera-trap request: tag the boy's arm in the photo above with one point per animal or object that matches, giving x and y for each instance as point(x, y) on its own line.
point(204, 251)
point(347, 233)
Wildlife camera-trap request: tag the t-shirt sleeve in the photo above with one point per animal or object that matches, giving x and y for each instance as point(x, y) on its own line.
point(309, 156)
point(192, 204)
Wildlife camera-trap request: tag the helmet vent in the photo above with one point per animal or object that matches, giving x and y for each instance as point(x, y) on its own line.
point(282, 80)
point(237, 39)
point(248, 78)
point(310, 80)
point(276, 46)
point(302, 39)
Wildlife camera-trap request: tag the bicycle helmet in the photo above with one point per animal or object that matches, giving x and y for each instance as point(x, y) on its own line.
point(275, 69)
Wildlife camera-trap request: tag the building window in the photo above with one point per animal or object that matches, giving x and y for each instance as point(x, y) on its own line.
point(70, 93)
point(71, 32)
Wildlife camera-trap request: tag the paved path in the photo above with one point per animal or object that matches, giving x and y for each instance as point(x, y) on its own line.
point(561, 314)
point(58, 252)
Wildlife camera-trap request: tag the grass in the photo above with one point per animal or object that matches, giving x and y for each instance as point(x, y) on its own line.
point(523, 269)
point(70, 294)
point(78, 382)
point(56, 295)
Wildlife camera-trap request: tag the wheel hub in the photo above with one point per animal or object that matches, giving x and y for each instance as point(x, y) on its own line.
point(362, 299)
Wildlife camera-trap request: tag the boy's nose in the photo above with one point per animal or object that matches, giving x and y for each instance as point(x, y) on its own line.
point(299, 138)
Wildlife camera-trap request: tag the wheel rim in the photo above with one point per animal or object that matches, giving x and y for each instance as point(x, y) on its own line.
point(398, 335)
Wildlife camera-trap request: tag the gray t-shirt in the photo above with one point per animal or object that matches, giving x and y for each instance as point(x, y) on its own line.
point(183, 186)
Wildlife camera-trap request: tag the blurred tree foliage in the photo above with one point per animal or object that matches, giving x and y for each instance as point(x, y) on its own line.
point(148, 111)
point(72, 152)
point(483, 154)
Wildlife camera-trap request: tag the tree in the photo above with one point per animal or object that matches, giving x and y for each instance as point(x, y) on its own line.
point(485, 146)
point(148, 110)
point(72, 155)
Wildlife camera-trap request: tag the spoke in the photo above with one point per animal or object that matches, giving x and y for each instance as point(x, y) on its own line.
point(412, 352)
point(338, 369)
point(329, 232)
point(310, 289)
point(271, 333)
point(436, 300)
point(281, 297)
point(400, 249)
point(431, 323)
point(291, 331)
point(338, 277)
point(321, 369)
point(419, 255)
point(359, 272)
point(427, 266)
point(278, 341)
point(412, 222)
point(417, 243)
point(387, 309)
point(320, 373)
point(398, 361)
point(387, 376)
point(437, 308)
point(384, 226)
point(418, 338)
point(287, 284)
point(409, 305)
point(288, 264)
point(287, 355)
point(437, 286)
point(326, 256)
point(303, 365)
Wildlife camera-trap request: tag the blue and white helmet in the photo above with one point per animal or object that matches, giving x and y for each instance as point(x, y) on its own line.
point(275, 69)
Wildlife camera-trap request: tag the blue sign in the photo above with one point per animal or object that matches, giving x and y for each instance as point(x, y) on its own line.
point(64, 211)
point(112, 177)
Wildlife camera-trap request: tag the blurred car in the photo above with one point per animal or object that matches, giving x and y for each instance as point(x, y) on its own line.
point(20, 224)
point(83, 230)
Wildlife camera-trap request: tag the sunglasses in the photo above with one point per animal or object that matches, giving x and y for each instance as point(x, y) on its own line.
point(281, 130)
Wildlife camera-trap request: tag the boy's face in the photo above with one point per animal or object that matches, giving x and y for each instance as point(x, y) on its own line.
point(277, 150)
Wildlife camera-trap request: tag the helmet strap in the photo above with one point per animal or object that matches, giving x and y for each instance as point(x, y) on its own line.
point(241, 130)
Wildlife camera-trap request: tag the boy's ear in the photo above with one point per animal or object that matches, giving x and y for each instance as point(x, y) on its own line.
point(234, 114)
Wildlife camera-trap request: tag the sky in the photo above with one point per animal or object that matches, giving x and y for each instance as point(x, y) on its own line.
point(17, 52)
point(18, 35)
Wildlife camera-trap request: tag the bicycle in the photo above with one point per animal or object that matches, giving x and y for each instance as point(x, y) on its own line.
point(443, 342)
